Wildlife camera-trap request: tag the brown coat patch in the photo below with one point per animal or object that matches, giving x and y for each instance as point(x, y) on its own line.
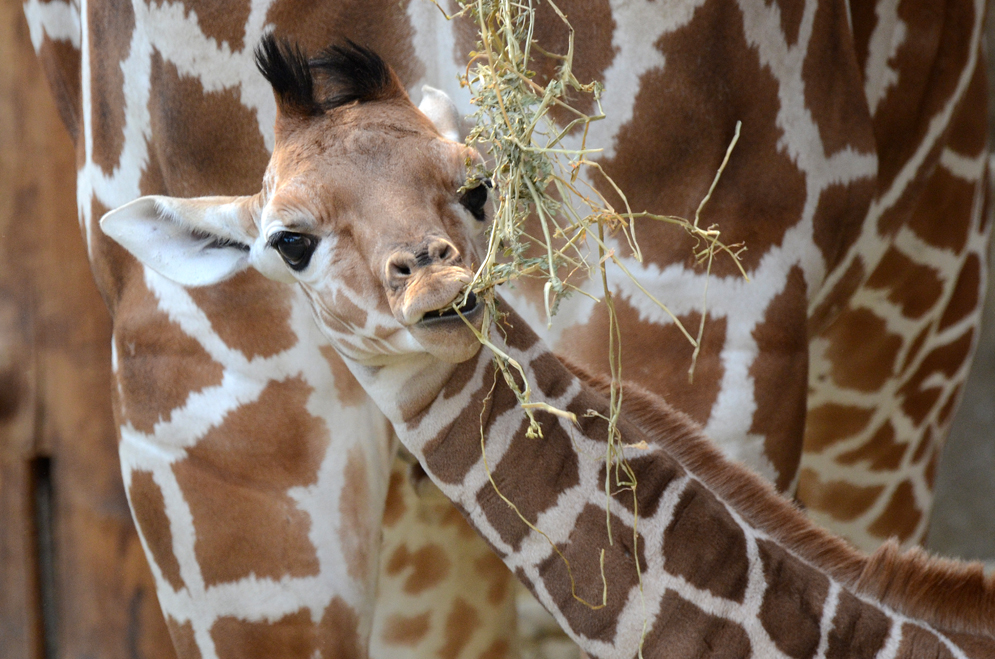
point(293, 636)
point(236, 480)
point(968, 131)
point(495, 573)
point(791, 611)
point(915, 347)
point(964, 299)
point(836, 225)
point(780, 372)
point(338, 635)
point(395, 508)
point(652, 476)
point(704, 545)
point(356, 516)
point(428, 566)
point(451, 454)
point(159, 365)
point(914, 287)
point(594, 27)
point(532, 474)
point(205, 143)
point(831, 422)
point(859, 629)
point(918, 642)
point(406, 630)
point(834, 90)
point(249, 313)
point(461, 623)
point(499, 649)
point(946, 359)
point(665, 371)
point(942, 216)
point(683, 119)
point(838, 298)
point(844, 501)
point(582, 552)
point(111, 25)
point(290, 637)
point(900, 517)
point(933, 46)
point(149, 508)
point(881, 452)
point(861, 350)
point(684, 630)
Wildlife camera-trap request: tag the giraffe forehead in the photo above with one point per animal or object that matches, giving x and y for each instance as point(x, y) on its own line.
point(377, 168)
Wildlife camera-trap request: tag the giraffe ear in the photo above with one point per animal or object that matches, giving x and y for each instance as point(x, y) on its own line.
point(194, 242)
point(440, 109)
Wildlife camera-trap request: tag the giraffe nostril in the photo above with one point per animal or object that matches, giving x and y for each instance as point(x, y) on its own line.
point(400, 266)
point(442, 251)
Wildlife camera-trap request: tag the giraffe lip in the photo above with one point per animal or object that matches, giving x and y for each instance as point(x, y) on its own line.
point(447, 314)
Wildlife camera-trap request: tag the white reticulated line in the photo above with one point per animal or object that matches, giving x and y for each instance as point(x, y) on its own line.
point(889, 34)
point(968, 168)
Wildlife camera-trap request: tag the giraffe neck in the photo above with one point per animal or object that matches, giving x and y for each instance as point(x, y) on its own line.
point(724, 561)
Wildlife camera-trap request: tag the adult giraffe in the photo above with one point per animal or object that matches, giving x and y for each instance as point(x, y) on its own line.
point(857, 140)
point(362, 207)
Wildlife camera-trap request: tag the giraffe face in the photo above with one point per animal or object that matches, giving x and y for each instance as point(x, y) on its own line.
point(364, 204)
point(365, 212)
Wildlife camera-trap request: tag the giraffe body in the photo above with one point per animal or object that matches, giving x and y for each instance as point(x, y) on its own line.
point(706, 557)
point(865, 123)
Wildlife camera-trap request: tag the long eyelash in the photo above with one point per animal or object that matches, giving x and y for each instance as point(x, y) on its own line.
point(217, 242)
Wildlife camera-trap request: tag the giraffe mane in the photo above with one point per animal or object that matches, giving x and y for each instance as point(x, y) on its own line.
point(951, 595)
point(338, 75)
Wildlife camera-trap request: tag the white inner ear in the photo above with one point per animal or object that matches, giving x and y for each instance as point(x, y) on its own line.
point(158, 233)
point(440, 109)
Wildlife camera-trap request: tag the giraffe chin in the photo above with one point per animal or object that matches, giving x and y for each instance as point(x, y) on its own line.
point(447, 337)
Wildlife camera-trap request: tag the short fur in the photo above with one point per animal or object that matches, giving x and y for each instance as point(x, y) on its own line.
point(950, 595)
point(337, 76)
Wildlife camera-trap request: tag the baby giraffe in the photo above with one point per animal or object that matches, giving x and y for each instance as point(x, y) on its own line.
point(362, 207)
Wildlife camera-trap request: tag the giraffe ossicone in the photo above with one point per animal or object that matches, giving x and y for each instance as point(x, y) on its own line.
point(361, 206)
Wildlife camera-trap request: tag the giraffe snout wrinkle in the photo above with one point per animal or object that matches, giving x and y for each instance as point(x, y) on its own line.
point(405, 263)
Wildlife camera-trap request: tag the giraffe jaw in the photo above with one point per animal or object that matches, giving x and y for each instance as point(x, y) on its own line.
point(446, 334)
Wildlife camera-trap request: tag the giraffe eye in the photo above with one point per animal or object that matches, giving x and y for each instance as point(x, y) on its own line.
point(475, 199)
point(295, 248)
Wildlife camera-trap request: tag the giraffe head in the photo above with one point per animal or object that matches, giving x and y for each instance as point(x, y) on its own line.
point(365, 203)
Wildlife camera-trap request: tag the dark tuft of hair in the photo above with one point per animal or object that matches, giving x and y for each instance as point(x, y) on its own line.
point(287, 69)
point(355, 73)
point(337, 76)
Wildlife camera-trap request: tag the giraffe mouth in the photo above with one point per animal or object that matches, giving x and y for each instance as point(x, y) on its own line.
point(468, 309)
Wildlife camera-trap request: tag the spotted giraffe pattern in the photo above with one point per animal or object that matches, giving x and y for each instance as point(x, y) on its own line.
point(813, 171)
point(716, 577)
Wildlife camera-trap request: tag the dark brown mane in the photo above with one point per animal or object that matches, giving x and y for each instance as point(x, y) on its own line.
point(949, 595)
